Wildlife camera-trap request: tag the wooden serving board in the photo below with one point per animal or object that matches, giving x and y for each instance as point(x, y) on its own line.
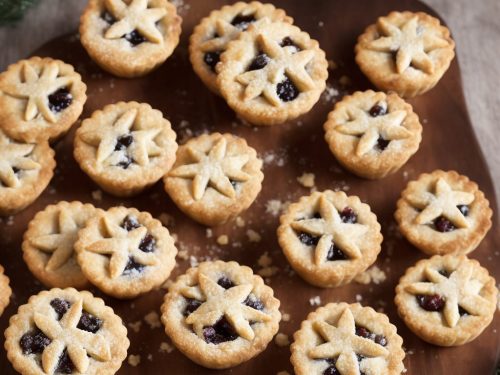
point(289, 150)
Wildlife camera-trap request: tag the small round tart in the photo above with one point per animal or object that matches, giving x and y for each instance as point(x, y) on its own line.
point(40, 98)
point(215, 178)
point(25, 171)
point(64, 331)
point(405, 52)
point(48, 245)
point(443, 212)
point(373, 134)
point(447, 300)
point(211, 36)
point(220, 314)
point(129, 38)
point(329, 238)
point(125, 252)
point(5, 290)
point(347, 339)
point(272, 73)
point(125, 147)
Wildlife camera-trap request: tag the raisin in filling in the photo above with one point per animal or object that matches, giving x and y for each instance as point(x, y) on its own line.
point(220, 332)
point(431, 302)
point(348, 215)
point(148, 244)
point(382, 143)
point(135, 38)
point(332, 368)
point(287, 91)
point(443, 225)
point(242, 22)
point(59, 100)
point(225, 282)
point(367, 334)
point(133, 266)
point(211, 59)
point(308, 239)
point(288, 42)
point(377, 110)
point(464, 209)
point(191, 306)
point(254, 303)
point(462, 311)
point(61, 306)
point(123, 142)
point(89, 322)
point(130, 223)
point(65, 364)
point(34, 342)
point(108, 17)
point(259, 62)
point(334, 253)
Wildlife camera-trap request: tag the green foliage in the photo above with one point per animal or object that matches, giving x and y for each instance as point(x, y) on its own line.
point(12, 11)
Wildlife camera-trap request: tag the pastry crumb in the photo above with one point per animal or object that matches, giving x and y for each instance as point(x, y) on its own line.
point(193, 262)
point(315, 301)
point(183, 254)
point(134, 360)
point(150, 357)
point(307, 180)
point(97, 195)
point(345, 80)
point(265, 260)
point(332, 65)
point(275, 207)
point(282, 340)
point(165, 347)
point(372, 275)
point(223, 239)
point(268, 271)
point(285, 317)
point(135, 326)
point(209, 233)
point(253, 236)
point(359, 297)
point(330, 93)
point(166, 219)
point(240, 222)
point(153, 320)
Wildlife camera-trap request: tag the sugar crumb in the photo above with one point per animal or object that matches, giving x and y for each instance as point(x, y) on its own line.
point(359, 297)
point(330, 93)
point(209, 233)
point(315, 301)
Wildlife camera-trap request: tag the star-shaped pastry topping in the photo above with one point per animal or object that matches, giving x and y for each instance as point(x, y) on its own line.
point(122, 245)
point(64, 334)
point(59, 244)
point(443, 202)
point(225, 32)
point(283, 61)
point(13, 157)
point(457, 290)
point(341, 342)
point(134, 16)
point(370, 128)
point(331, 229)
point(36, 87)
point(105, 139)
point(216, 169)
point(412, 41)
point(219, 302)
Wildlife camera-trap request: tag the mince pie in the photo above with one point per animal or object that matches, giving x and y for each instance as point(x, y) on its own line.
point(405, 52)
point(329, 238)
point(447, 300)
point(25, 171)
point(210, 38)
point(220, 314)
point(272, 73)
point(347, 339)
point(129, 38)
point(373, 134)
point(125, 252)
point(63, 331)
point(5, 291)
point(125, 147)
point(215, 177)
point(48, 246)
point(443, 212)
point(40, 98)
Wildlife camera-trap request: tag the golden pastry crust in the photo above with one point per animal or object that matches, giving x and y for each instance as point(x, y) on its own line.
point(48, 245)
point(25, 171)
point(211, 36)
point(288, 78)
point(26, 112)
point(5, 290)
point(437, 195)
point(324, 243)
point(465, 286)
point(405, 52)
point(373, 134)
point(215, 177)
point(125, 147)
point(252, 328)
point(106, 26)
point(125, 252)
point(96, 353)
point(333, 333)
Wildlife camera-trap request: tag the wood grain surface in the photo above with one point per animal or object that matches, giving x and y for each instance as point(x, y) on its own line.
point(297, 147)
